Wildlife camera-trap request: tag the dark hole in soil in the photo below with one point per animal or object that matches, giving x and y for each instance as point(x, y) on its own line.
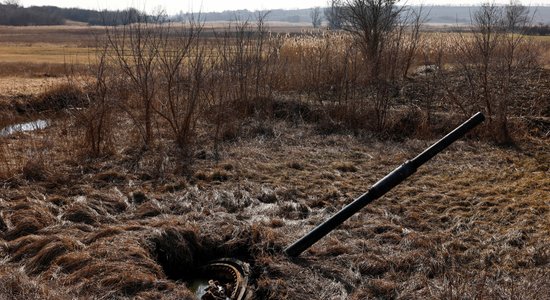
point(201, 264)
point(3, 226)
point(178, 253)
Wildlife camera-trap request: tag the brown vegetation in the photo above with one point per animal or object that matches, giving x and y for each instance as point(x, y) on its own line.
point(162, 157)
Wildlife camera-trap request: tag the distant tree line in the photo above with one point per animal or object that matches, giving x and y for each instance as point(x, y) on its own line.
point(11, 13)
point(539, 29)
point(15, 15)
point(278, 15)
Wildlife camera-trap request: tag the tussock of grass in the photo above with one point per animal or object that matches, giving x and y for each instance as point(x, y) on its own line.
point(105, 233)
point(268, 197)
point(147, 210)
point(49, 253)
point(18, 285)
point(27, 219)
point(113, 230)
point(35, 170)
point(71, 262)
point(111, 203)
point(373, 265)
point(80, 213)
point(110, 177)
point(60, 97)
point(345, 167)
point(382, 288)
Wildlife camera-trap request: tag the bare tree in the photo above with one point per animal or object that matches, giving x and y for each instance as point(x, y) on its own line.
point(515, 61)
point(333, 14)
point(181, 62)
point(371, 21)
point(414, 20)
point(98, 118)
point(259, 49)
point(488, 25)
point(476, 50)
point(316, 18)
point(135, 48)
point(381, 31)
point(241, 57)
point(516, 16)
point(493, 57)
point(15, 3)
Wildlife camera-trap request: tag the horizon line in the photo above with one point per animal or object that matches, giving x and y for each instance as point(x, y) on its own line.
point(274, 9)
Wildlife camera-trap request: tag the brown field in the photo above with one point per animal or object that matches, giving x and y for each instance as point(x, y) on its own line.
point(66, 34)
point(70, 44)
point(44, 53)
point(135, 222)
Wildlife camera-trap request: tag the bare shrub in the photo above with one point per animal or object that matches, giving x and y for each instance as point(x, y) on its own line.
point(158, 70)
point(182, 64)
point(372, 22)
point(246, 69)
point(97, 119)
point(47, 254)
point(327, 67)
point(388, 39)
point(245, 50)
point(135, 50)
point(333, 14)
point(492, 57)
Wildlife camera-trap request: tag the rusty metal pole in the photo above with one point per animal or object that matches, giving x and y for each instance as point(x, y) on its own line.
point(381, 187)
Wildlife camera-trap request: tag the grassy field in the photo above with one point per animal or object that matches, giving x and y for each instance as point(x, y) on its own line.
point(44, 53)
point(57, 45)
point(137, 222)
point(66, 34)
point(473, 222)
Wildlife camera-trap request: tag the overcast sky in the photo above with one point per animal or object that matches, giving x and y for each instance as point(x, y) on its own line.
point(173, 6)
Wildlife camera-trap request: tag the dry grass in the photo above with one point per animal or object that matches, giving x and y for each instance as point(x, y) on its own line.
point(66, 34)
point(44, 53)
point(15, 86)
point(472, 223)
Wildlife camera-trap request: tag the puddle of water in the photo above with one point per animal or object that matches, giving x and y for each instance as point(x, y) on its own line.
point(198, 286)
point(30, 126)
point(228, 280)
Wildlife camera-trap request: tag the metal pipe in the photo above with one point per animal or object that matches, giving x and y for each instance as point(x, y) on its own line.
point(381, 187)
